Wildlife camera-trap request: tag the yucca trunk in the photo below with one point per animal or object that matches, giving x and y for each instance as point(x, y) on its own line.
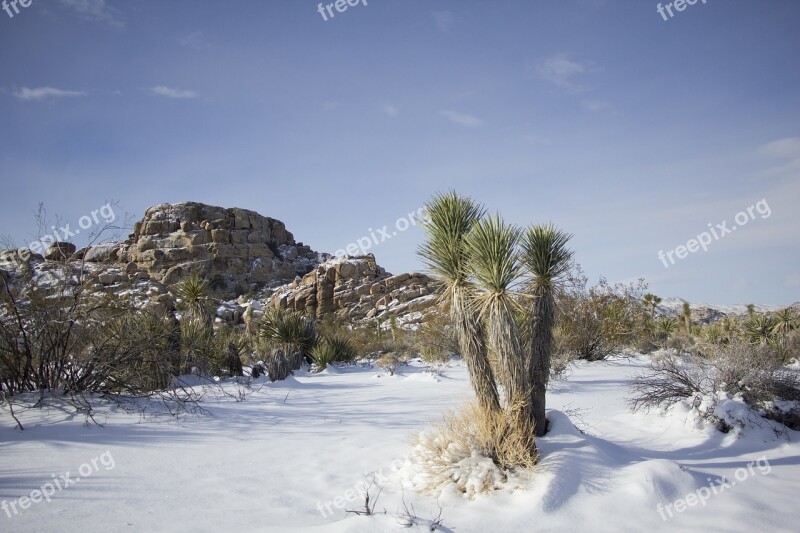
point(547, 258)
point(542, 313)
point(504, 338)
point(472, 345)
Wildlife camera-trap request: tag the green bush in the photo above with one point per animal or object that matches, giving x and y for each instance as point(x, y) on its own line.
point(332, 349)
point(436, 338)
point(594, 322)
point(293, 332)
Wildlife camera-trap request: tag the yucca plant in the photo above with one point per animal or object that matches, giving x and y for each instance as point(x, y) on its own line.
point(135, 351)
point(547, 259)
point(759, 329)
point(195, 301)
point(687, 317)
point(666, 326)
point(714, 335)
point(323, 355)
point(332, 349)
point(234, 345)
point(197, 344)
point(493, 260)
point(294, 333)
point(651, 301)
point(786, 321)
point(450, 219)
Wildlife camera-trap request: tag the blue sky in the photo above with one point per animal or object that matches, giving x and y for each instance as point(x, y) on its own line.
point(629, 131)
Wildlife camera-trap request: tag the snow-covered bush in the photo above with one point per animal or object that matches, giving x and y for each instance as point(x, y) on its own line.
point(473, 451)
point(670, 379)
point(751, 373)
point(390, 362)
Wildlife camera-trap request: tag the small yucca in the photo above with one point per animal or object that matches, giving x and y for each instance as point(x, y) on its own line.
point(295, 333)
point(332, 349)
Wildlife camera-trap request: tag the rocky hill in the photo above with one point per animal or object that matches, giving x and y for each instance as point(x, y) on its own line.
point(356, 288)
point(238, 252)
point(709, 313)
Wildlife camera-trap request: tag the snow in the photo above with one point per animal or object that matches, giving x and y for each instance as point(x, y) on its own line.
point(674, 307)
point(295, 450)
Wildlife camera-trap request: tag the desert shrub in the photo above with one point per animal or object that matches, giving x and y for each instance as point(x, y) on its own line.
point(323, 354)
point(132, 353)
point(645, 344)
point(669, 380)
point(435, 356)
point(193, 299)
point(332, 349)
point(474, 449)
point(367, 339)
point(561, 360)
point(756, 372)
point(594, 322)
point(666, 326)
point(389, 362)
point(378, 338)
point(277, 365)
point(56, 336)
point(710, 337)
point(760, 329)
point(198, 347)
point(293, 332)
point(681, 343)
point(437, 335)
point(342, 347)
point(791, 349)
point(232, 351)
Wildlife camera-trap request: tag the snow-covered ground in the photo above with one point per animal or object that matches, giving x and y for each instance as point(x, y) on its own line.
point(291, 457)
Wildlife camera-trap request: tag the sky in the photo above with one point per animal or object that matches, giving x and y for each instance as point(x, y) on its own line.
point(639, 133)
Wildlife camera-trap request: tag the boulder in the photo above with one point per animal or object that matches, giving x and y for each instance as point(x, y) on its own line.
point(355, 288)
point(60, 251)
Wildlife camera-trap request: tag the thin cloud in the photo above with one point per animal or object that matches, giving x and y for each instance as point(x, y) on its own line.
point(788, 148)
point(563, 72)
point(594, 105)
point(44, 93)
point(786, 156)
point(332, 105)
point(536, 140)
point(390, 110)
point(169, 92)
point(444, 20)
point(792, 281)
point(195, 40)
point(462, 119)
point(95, 10)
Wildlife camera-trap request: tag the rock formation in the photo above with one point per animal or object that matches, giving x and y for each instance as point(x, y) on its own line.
point(355, 288)
point(236, 250)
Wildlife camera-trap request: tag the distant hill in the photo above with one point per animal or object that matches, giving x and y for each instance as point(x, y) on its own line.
point(707, 313)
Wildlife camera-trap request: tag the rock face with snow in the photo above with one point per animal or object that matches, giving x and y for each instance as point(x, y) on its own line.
point(61, 279)
point(60, 251)
point(706, 313)
point(356, 288)
point(234, 249)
